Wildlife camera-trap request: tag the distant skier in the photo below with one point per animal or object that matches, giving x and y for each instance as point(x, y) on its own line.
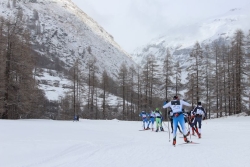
point(199, 113)
point(158, 118)
point(151, 120)
point(178, 117)
point(144, 117)
point(76, 118)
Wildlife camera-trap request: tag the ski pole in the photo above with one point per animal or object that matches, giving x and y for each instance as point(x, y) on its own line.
point(168, 127)
point(189, 133)
point(164, 124)
point(189, 121)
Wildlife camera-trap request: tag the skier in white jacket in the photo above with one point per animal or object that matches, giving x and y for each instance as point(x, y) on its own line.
point(178, 117)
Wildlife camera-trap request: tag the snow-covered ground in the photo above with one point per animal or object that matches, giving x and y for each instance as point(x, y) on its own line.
point(114, 143)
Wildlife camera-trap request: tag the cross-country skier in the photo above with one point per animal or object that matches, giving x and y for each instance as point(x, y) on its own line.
point(151, 120)
point(191, 121)
point(178, 117)
point(199, 113)
point(76, 118)
point(158, 117)
point(144, 117)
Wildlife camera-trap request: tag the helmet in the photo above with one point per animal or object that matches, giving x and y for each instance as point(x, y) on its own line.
point(157, 109)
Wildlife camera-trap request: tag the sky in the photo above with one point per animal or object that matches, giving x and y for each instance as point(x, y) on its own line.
point(133, 23)
point(113, 143)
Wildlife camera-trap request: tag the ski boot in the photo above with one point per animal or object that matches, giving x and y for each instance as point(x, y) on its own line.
point(185, 139)
point(162, 129)
point(157, 130)
point(193, 131)
point(174, 141)
point(199, 135)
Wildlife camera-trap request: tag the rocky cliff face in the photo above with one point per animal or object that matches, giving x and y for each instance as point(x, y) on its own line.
point(59, 29)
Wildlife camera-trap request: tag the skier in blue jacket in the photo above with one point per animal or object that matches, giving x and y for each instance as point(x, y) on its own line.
point(178, 117)
point(151, 120)
point(144, 117)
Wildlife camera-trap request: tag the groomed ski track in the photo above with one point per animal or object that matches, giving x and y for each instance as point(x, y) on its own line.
point(114, 143)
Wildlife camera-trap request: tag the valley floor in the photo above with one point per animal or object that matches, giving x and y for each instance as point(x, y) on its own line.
point(114, 143)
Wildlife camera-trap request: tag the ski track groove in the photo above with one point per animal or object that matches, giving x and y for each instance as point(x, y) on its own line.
point(78, 147)
point(61, 154)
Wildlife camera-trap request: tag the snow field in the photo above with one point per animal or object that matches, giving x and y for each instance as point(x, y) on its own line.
point(114, 143)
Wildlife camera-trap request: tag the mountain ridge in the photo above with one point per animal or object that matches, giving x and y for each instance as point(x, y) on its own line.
point(204, 31)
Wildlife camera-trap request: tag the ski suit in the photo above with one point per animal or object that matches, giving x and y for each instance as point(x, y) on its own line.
point(158, 118)
point(178, 117)
point(144, 117)
point(198, 113)
point(151, 119)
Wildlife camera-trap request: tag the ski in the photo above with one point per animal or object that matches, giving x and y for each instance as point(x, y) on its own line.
point(183, 137)
point(191, 142)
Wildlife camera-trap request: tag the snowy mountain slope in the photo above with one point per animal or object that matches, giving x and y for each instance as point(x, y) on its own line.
point(207, 30)
point(60, 29)
point(112, 143)
point(181, 39)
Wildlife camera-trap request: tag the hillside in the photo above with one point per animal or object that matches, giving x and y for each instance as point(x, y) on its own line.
point(63, 34)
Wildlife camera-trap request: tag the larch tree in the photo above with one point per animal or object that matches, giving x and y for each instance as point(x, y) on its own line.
point(104, 83)
point(239, 58)
point(19, 89)
point(168, 68)
point(154, 81)
point(123, 78)
point(132, 88)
